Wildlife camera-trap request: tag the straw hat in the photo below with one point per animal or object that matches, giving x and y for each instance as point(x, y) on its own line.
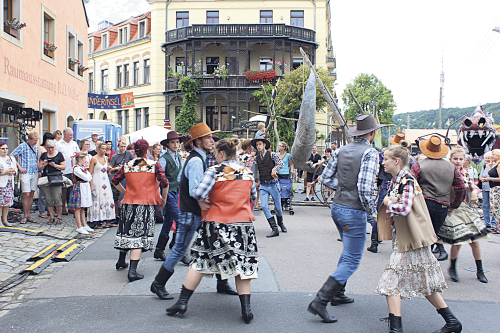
point(396, 140)
point(172, 135)
point(433, 147)
point(260, 138)
point(199, 130)
point(365, 123)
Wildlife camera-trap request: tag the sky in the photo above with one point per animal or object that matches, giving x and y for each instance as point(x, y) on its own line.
point(403, 43)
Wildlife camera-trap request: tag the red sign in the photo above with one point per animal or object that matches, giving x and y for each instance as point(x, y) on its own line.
point(167, 126)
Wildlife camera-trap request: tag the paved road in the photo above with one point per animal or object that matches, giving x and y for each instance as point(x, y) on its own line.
point(89, 295)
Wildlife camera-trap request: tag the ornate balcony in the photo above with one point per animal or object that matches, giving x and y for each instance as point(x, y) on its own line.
point(210, 82)
point(240, 30)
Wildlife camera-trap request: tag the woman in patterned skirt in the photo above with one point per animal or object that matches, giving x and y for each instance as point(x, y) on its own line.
point(137, 216)
point(8, 169)
point(226, 243)
point(412, 270)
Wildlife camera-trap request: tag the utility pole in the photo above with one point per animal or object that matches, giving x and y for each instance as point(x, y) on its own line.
point(441, 87)
point(408, 124)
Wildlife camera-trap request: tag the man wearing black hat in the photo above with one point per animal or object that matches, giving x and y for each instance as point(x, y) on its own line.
point(269, 164)
point(355, 166)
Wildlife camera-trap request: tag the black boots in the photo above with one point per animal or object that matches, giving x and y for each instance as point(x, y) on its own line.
point(280, 223)
point(324, 295)
point(181, 305)
point(341, 298)
point(480, 274)
point(121, 260)
point(452, 323)
point(274, 227)
point(158, 285)
point(374, 247)
point(246, 311)
point(223, 286)
point(395, 324)
point(132, 271)
point(160, 248)
point(453, 270)
point(172, 241)
point(443, 255)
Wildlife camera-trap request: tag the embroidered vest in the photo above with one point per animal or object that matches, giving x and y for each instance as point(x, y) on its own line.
point(142, 186)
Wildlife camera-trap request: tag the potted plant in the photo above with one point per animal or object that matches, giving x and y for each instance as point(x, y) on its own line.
point(71, 63)
point(81, 69)
point(48, 49)
point(221, 71)
point(264, 76)
point(12, 27)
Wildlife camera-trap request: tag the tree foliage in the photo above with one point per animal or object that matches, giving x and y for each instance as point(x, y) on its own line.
point(188, 116)
point(368, 89)
point(291, 106)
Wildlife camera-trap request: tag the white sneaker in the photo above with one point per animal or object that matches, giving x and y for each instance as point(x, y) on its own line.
point(82, 231)
point(89, 229)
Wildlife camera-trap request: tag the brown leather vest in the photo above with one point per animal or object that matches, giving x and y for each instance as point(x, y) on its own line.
point(142, 189)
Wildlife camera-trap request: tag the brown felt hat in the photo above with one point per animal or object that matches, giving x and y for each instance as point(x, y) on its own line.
point(199, 130)
point(365, 123)
point(172, 135)
point(433, 147)
point(396, 140)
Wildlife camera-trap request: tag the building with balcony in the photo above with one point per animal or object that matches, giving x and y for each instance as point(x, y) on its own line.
point(43, 62)
point(205, 38)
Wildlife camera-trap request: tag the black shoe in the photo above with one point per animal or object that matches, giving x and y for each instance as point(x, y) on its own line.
point(223, 287)
point(443, 255)
point(180, 306)
point(452, 323)
point(395, 324)
point(132, 271)
point(374, 238)
point(158, 285)
point(160, 248)
point(274, 227)
point(341, 298)
point(480, 273)
point(121, 260)
point(186, 260)
point(246, 311)
point(280, 223)
point(313, 199)
point(453, 270)
point(306, 199)
point(324, 295)
point(303, 192)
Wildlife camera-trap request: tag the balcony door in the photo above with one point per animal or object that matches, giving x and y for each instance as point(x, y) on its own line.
point(217, 117)
point(212, 64)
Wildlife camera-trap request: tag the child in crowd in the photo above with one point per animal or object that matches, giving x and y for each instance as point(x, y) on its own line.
point(81, 196)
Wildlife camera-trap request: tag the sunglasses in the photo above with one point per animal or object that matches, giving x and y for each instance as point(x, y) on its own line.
point(6, 148)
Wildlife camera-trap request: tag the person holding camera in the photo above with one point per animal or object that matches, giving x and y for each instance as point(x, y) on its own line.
point(52, 164)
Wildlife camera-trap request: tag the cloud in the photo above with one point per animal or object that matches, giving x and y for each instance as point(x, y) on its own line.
point(114, 11)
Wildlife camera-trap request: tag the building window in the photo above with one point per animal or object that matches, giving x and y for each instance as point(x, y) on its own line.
point(91, 82)
point(297, 62)
point(119, 76)
point(146, 70)
point(142, 29)
point(125, 116)
point(266, 63)
point(104, 42)
point(136, 73)
point(11, 10)
point(126, 75)
point(71, 50)
point(48, 34)
point(80, 57)
point(179, 64)
point(146, 118)
point(91, 116)
point(212, 64)
point(91, 49)
point(266, 16)
point(212, 17)
point(217, 117)
point(297, 18)
point(120, 118)
point(123, 35)
point(182, 19)
point(178, 109)
point(263, 109)
point(138, 119)
point(46, 118)
point(104, 81)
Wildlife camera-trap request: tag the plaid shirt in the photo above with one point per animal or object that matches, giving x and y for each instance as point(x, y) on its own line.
point(458, 185)
point(27, 159)
point(208, 181)
point(404, 202)
point(211, 161)
point(366, 177)
point(160, 176)
point(277, 160)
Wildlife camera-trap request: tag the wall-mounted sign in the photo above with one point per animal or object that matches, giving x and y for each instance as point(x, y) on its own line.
point(121, 101)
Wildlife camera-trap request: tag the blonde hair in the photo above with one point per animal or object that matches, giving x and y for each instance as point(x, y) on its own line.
point(228, 146)
point(496, 151)
point(457, 150)
point(399, 152)
point(33, 135)
point(261, 126)
point(488, 154)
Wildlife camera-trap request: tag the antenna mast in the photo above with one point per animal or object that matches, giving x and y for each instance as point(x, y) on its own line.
point(441, 87)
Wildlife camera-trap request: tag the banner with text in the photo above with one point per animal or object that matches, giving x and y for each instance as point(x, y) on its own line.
point(121, 101)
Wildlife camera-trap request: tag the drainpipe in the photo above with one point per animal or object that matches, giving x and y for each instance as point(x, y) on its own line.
point(314, 4)
point(166, 64)
point(95, 71)
point(166, 20)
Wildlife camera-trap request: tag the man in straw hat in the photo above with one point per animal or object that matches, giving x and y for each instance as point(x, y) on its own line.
point(355, 166)
point(190, 212)
point(269, 164)
point(171, 163)
point(437, 176)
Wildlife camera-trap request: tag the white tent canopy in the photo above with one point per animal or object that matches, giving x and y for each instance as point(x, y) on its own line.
point(152, 134)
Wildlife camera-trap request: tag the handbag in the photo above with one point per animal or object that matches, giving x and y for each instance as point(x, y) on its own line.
point(42, 181)
point(55, 180)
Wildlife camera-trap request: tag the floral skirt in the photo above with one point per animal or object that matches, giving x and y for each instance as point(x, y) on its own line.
point(228, 249)
point(411, 274)
point(136, 227)
point(462, 226)
point(75, 198)
point(495, 202)
point(7, 194)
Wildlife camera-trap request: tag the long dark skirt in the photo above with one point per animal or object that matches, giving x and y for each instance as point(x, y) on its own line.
point(136, 227)
point(228, 249)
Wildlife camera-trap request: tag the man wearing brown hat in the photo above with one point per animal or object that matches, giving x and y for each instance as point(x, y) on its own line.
point(355, 166)
point(189, 219)
point(437, 176)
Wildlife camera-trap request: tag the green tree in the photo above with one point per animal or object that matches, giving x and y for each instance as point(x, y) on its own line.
point(368, 89)
point(291, 106)
point(188, 116)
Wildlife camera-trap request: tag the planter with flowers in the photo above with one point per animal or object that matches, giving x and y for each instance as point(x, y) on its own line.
point(48, 49)
point(12, 27)
point(71, 63)
point(81, 69)
point(220, 71)
point(260, 76)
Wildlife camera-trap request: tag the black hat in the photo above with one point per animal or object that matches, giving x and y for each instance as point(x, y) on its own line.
point(260, 138)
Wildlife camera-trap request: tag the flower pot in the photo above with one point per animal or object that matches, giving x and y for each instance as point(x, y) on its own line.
point(48, 53)
point(71, 66)
point(11, 31)
point(80, 72)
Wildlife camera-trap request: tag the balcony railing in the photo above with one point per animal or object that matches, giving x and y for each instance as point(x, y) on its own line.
point(209, 82)
point(240, 30)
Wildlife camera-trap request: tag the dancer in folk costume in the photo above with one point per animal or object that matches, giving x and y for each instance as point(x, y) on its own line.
point(81, 195)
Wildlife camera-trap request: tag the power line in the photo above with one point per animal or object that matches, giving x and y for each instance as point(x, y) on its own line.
point(485, 35)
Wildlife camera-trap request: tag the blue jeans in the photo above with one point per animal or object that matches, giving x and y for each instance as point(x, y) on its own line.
point(351, 224)
point(170, 213)
point(489, 220)
point(187, 225)
point(381, 196)
point(271, 189)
